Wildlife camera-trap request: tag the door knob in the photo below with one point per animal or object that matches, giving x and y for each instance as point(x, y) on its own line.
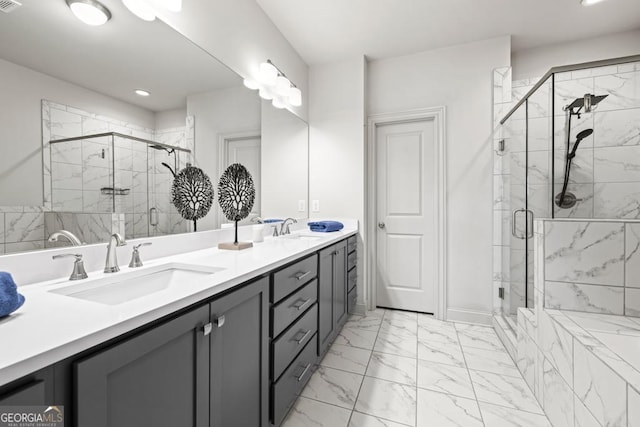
point(381, 225)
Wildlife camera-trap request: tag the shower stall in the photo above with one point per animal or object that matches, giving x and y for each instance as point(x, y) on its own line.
point(96, 176)
point(568, 148)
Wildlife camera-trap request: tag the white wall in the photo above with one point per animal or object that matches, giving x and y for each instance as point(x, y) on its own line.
point(21, 92)
point(459, 78)
point(336, 144)
point(240, 35)
point(533, 63)
point(217, 113)
point(284, 163)
point(170, 118)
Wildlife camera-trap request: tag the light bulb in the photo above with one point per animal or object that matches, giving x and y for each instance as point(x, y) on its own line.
point(251, 84)
point(278, 103)
point(282, 86)
point(265, 93)
point(142, 92)
point(268, 73)
point(589, 2)
point(295, 96)
point(141, 9)
point(90, 12)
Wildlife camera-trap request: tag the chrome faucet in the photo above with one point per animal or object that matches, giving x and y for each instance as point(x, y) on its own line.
point(284, 227)
point(111, 263)
point(67, 235)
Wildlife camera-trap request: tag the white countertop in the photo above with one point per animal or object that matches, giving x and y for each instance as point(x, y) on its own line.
point(50, 327)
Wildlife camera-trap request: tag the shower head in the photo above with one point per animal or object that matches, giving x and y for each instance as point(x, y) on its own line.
point(579, 137)
point(588, 101)
point(162, 148)
point(582, 135)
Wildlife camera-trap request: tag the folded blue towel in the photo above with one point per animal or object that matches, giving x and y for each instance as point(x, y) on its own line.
point(10, 299)
point(271, 220)
point(325, 226)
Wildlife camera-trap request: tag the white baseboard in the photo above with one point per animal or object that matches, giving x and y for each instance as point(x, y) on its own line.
point(469, 316)
point(360, 309)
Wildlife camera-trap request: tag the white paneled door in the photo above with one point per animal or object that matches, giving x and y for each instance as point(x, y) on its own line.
point(407, 258)
point(246, 151)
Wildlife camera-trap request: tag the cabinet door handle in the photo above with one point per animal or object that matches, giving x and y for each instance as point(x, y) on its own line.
point(304, 337)
point(219, 321)
point(304, 303)
point(306, 368)
point(301, 275)
point(206, 329)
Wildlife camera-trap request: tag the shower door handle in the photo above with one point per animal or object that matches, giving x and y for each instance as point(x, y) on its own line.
point(514, 218)
point(153, 217)
point(530, 218)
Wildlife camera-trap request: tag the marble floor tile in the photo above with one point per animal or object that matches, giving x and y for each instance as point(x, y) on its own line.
point(505, 391)
point(496, 361)
point(364, 420)
point(400, 315)
point(485, 340)
point(346, 358)
point(402, 345)
point(311, 413)
point(445, 379)
point(393, 368)
point(399, 329)
point(469, 327)
point(355, 337)
point(499, 416)
point(367, 323)
point(333, 386)
point(429, 319)
point(444, 334)
point(446, 410)
point(446, 353)
point(400, 324)
point(388, 400)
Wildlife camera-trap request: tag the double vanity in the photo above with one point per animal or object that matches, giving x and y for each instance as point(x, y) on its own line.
point(205, 338)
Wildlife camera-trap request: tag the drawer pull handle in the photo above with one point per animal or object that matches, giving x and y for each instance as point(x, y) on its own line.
point(306, 368)
point(219, 321)
point(206, 329)
point(301, 276)
point(304, 337)
point(300, 307)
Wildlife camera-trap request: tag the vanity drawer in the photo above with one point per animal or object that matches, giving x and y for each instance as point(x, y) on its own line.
point(352, 243)
point(352, 259)
point(287, 311)
point(352, 298)
point(289, 344)
point(286, 390)
point(352, 278)
point(290, 278)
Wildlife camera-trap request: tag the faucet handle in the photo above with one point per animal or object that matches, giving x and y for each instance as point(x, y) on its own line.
point(135, 255)
point(275, 230)
point(78, 272)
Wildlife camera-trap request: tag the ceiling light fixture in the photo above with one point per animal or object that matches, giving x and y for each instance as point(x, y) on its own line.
point(141, 9)
point(589, 2)
point(142, 92)
point(91, 12)
point(274, 85)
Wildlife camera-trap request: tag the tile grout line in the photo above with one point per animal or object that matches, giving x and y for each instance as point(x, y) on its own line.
point(473, 387)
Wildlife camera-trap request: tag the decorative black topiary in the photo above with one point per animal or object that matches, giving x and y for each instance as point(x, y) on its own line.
point(236, 194)
point(192, 194)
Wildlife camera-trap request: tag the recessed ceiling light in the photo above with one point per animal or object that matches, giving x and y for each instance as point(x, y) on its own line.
point(90, 12)
point(589, 2)
point(142, 92)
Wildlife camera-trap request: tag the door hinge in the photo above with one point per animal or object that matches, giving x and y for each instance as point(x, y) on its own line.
point(501, 293)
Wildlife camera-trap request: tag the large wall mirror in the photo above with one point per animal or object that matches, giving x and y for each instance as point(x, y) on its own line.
point(84, 153)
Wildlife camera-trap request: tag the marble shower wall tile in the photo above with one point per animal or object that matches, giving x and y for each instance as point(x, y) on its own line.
point(585, 252)
point(632, 254)
point(616, 200)
point(617, 128)
point(599, 388)
point(632, 302)
point(582, 297)
point(21, 227)
point(558, 397)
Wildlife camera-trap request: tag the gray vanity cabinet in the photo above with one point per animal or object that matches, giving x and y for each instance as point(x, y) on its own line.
point(35, 389)
point(332, 294)
point(240, 357)
point(158, 378)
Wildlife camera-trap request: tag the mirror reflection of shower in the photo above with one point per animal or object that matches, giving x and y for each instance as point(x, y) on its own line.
point(566, 199)
point(171, 151)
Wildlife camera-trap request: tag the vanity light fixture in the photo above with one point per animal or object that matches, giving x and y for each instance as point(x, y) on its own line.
point(91, 12)
point(273, 84)
point(589, 2)
point(142, 92)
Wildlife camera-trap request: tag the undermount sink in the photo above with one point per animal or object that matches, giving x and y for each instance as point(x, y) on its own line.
point(126, 286)
point(308, 237)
